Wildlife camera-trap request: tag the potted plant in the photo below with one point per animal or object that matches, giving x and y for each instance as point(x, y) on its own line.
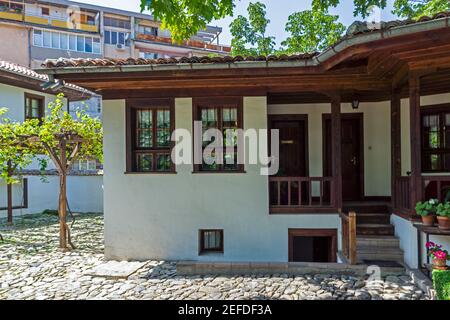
point(443, 212)
point(438, 255)
point(426, 210)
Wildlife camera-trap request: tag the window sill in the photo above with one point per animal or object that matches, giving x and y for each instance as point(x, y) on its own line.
point(150, 172)
point(220, 172)
point(211, 253)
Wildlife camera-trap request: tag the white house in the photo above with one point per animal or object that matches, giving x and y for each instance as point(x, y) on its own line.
point(22, 92)
point(355, 124)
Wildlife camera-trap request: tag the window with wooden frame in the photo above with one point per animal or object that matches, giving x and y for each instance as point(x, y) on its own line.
point(211, 241)
point(150, 124)
point(226, 115)
point(34, 106)
point(435, 139)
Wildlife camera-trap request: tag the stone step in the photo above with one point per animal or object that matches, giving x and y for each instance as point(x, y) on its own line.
point(375, 218)
point(375, 229)
point(377, 242)
point(384, 254)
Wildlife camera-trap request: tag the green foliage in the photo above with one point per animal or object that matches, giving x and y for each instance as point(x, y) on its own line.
point(185, 17)
point(311, 31)
point(426, 208)
point(443, 209)
point(20, 143)
point(415, 9)
point(441, 283)
point(249, 35)
point(50, 212)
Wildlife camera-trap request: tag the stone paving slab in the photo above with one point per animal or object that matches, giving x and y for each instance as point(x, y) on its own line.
point(116, 269)
point(31, 267)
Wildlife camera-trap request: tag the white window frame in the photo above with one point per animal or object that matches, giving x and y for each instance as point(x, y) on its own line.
point(70, 37)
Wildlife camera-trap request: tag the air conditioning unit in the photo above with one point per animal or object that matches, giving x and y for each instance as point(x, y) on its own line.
point(120, 46)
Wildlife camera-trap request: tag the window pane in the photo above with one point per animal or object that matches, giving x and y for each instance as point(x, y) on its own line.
point(88, 44)
point(163, 162)
point(63, 41)
point(96, 46)
point(144, 120)
point(113, 37)
point(431, 131)
point(47, 39)
point(55, 40)
point(80, 43)
point(107, 36)
point(212, 240)
point(144, 129)
point(163, 128)
point(121, 38)
point(144, 162)
point(37, 39)
point(72, 42)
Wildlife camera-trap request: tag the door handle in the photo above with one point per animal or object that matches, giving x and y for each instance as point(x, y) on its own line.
point(354, 161)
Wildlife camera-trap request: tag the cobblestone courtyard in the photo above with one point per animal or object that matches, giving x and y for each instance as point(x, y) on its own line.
point(31, 267)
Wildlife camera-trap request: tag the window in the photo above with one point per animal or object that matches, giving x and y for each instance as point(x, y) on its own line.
point(117, 23)
point(121, 38)
point(55, 40)
point(226, 116)
point(149, 145)
point(436, 140)
point(64, 41)
point(148, 30)
point(37, 38)
point(84, 165)
point(88, 44)
point(210, 241)
point(72, 42)
point(45, 11)
point(107, 37)
point(34, 106)
point(148, 55)
point(96, 45)
point(80, 43)
point(47, 39)
point(113, 37)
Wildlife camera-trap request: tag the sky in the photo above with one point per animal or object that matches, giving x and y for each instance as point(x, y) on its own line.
point(277, 11)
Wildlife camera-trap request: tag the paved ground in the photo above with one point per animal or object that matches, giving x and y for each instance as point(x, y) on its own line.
point(32, 268)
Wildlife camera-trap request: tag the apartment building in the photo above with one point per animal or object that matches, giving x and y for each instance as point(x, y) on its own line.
point(33, 31)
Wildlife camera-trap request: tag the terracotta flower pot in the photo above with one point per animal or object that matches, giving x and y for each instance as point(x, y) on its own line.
point(439, 263)
point(428, 220)
point(444, 223)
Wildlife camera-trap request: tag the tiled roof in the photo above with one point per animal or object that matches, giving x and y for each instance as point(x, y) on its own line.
point(355, 29)
point(105, 62)
point(22, 71)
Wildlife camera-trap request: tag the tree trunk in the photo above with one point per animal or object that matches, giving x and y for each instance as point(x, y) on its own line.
point(10, 205)
point(62, 211)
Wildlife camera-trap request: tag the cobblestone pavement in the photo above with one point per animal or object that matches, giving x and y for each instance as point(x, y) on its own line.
point(31, 267)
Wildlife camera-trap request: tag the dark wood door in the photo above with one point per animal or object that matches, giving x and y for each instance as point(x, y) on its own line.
point(293, 155)
point(352, 155)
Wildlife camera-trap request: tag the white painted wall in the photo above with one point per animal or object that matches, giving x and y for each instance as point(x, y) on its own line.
point(158, 216)
point(85, 193)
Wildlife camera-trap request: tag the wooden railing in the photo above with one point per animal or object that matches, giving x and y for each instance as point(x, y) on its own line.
point(436, 187)
point(291, 194)
point(402, 194)
point(348, 224)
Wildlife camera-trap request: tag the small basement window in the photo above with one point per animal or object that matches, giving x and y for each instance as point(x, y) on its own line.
point(211, 241)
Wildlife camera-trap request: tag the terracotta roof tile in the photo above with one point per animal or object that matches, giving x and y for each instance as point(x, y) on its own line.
point(22, 71)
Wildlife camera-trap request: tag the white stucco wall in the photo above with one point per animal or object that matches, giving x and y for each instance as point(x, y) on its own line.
point(85, 193)
point(158, 215)
point(377, 137)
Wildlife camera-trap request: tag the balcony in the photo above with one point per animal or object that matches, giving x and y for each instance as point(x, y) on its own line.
point(58, 22)
point(188, 43)
point(11, 11)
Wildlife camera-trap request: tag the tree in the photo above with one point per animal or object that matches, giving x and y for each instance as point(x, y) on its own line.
point(58, 138)
point(249, 35)
point(185, 17)
point(311, 31)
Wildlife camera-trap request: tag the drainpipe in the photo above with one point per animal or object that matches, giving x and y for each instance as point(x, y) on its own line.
point(29, 47)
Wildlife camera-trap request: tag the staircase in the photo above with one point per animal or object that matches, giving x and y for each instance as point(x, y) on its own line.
point(375, 236)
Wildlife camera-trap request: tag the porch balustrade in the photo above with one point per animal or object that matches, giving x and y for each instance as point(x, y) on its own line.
point(302, 194)
point(402, 195)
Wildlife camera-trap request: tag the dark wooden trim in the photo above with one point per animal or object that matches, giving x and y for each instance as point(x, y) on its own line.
point(290, 117)
point(377, 198)
point(332, 254)
point(218, 102)
point(396, 152)
point(354, 115)
point(415, 138)
point(41, 100)
point(201, 248)
point(298, 211)
point(131, 105)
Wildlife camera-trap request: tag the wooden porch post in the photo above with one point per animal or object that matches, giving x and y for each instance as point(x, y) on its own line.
point(414, 110)
point(336, 149)
point(396, 152)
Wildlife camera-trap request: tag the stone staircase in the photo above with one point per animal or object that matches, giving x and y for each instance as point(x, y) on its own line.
point(375, 236)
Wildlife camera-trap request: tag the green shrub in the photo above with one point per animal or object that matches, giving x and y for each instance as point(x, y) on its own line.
point(50, 212)
point(441, 283)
